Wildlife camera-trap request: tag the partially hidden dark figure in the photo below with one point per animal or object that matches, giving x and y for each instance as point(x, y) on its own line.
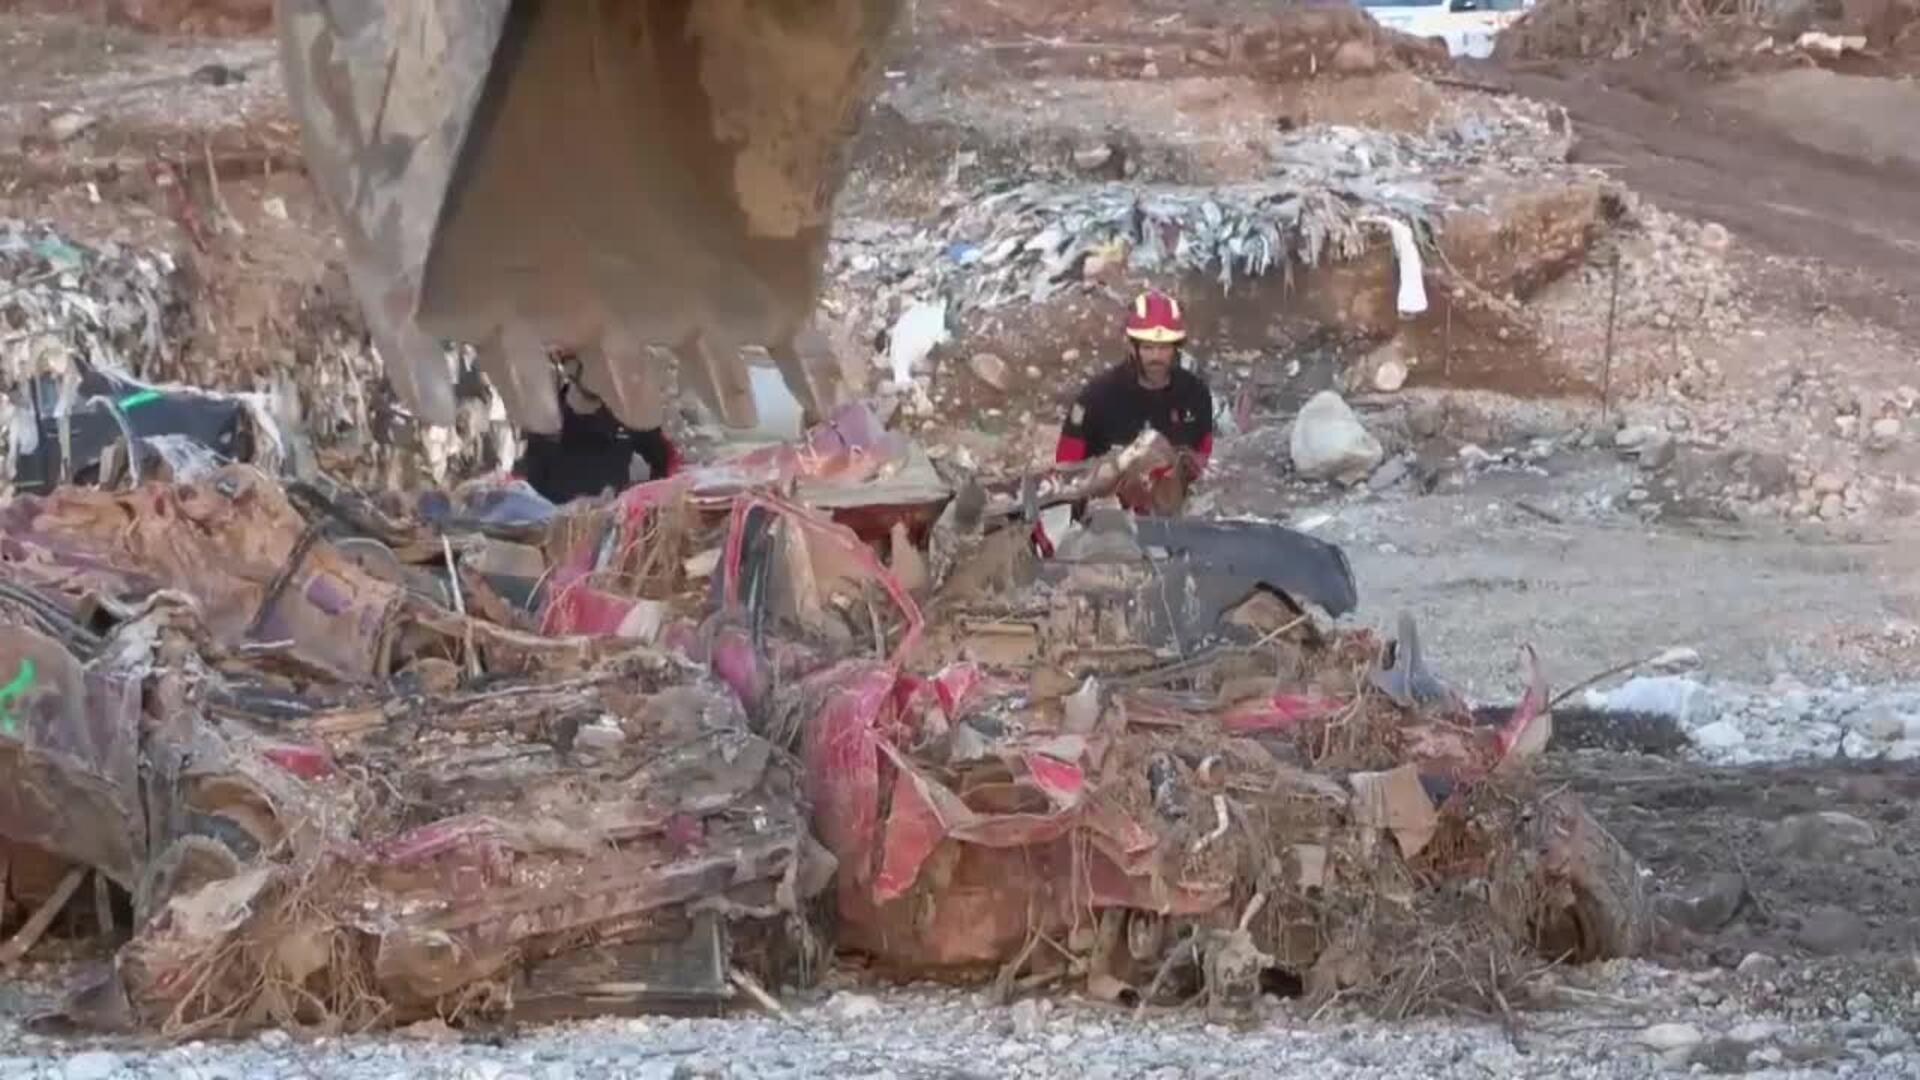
point(593, 453)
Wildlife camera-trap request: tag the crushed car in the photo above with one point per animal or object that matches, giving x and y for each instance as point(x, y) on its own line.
point(355, 760)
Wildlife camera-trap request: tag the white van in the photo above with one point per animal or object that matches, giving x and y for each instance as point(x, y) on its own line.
point(1467, 26)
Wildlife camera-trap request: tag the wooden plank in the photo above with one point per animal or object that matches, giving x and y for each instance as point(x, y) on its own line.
point(103, 905)
point(37, 924)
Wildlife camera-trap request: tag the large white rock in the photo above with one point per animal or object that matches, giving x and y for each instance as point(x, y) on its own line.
point(1719, 735)
point(1670, 1037)
point(91, 1065)
point(1330, 443)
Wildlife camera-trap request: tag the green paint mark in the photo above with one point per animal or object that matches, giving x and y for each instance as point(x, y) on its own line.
point(134, 401)
point(13, 690)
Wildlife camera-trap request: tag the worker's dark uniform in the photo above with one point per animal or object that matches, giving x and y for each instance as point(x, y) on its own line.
point(592, 454)
point(1114, 409)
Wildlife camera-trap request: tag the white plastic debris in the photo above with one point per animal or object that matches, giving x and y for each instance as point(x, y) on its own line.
point(1083, 708)
point(919, 328)
point(1832, 46)
point(1412, 297)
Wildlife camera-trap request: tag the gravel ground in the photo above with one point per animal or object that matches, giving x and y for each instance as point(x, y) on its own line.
point(1631, 1020)
point(1787, 720)
point(1551, 555)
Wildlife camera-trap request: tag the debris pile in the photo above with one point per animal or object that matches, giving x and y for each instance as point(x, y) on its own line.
point(1719, 33)
point(335, 799)
point(85, 327)
point(1354, 235)
point(1331, 187)
point(65, 302)
point(355, 762)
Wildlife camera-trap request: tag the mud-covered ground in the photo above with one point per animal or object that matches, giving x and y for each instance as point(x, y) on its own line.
point(1694, 826)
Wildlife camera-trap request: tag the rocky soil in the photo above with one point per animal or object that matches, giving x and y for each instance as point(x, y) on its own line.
point(1622, 1020)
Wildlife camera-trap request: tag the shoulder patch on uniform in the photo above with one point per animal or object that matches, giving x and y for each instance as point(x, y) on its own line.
point(1078, 414)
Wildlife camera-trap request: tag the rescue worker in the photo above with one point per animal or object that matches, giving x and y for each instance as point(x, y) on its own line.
point(1148, 389)
point(593, 452)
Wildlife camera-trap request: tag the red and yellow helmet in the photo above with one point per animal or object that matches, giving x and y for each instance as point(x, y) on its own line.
point(1155, 318)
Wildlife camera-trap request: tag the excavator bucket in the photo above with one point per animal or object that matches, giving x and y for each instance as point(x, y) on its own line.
point(648, 182)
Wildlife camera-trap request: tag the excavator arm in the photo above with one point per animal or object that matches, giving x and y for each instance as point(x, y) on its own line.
point(648, 182)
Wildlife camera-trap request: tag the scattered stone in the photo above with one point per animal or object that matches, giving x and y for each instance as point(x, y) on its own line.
point(1355, 57)
point(989, 369)
point(1756, 1031)
point(1330, 443)
point(91, 1065)
point(1822, 834)
point(1426, 419)
point(62, 127)
point(1676, 660)
point(1829, 483)
point(1832, 508)
point(1881, 723)
point(1719, 735)
point(850, 1006)
point(663, 1069)
point(1832, 931)
point(218, 75)
point(1092, 157)
point(1884, 433)
point(1028, 1015)
point(1758, 965)
point(1891, 1038)
point(1668, 1038)
point(1391, 375)
point(275, 1039)
point(434, 1030)
point(1658, 450)
point(1632, 436)
point(1391, 472)
point(1711, 906)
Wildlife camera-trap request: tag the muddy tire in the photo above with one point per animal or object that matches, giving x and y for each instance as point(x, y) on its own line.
point(1593, 902)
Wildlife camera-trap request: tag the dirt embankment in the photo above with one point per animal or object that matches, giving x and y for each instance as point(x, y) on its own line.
point(1746, 156)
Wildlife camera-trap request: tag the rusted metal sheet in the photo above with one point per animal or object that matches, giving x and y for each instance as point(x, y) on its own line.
point(70, 757)
point(232, 542)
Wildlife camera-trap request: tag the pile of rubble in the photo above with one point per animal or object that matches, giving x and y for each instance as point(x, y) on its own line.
point(114, 305)
point(98, 349)
point(1364, 234)
point(350, 761)
point(1718, 33)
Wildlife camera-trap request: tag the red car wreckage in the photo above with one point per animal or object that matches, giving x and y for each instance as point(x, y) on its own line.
point(348, 764)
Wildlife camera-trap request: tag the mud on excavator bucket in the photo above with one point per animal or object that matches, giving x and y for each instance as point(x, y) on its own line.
point(649, 182)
